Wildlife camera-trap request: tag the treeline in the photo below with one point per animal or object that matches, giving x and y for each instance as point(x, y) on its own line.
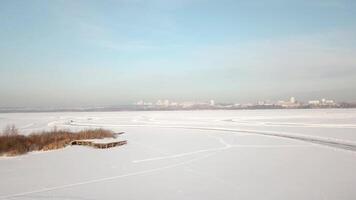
point(12, 143)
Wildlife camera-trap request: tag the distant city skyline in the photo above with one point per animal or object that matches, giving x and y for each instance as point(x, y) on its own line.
point(289, 101)
point(93, 53)
point(166, 104)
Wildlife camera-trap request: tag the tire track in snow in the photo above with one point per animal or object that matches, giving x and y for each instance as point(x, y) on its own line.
point(14, 196)
point(215, 150)
point(225, 147)
point(329, 142)
point(288, 124)
point(167, 156)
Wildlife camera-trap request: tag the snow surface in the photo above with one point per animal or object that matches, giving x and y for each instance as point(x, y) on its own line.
point(260, 154)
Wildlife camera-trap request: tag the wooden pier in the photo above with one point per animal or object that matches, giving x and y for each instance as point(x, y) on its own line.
point(99, 144)
point(109, 145)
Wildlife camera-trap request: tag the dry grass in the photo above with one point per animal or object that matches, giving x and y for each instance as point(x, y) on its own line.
point(11, 143)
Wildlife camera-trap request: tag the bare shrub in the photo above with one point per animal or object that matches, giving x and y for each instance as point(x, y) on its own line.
point(13, 144)
point(10, 130)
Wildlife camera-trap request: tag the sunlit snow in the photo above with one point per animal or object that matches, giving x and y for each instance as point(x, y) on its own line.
point(261, 154)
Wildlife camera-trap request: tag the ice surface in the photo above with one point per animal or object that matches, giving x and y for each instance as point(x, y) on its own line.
point(190, 155)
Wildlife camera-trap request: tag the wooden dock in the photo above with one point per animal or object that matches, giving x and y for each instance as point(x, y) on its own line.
point(99, 144)
point(109, 145)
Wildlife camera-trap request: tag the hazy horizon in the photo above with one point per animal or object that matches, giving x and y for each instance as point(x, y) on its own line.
point(79, 53)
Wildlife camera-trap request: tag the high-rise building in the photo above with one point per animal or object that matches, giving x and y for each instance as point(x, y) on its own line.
point(166, 103)
point(159, 103)
point(140, 103)
point(314, 102)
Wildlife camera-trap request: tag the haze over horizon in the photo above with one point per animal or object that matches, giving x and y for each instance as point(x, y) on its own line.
point(77, 53)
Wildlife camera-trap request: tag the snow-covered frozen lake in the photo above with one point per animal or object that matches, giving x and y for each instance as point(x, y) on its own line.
point(246, 154)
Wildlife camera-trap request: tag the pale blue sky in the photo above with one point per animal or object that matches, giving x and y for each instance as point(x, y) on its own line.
point(72, 53)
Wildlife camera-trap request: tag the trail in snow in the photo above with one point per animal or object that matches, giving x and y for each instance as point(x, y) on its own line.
point(289, 124)
point(214, 150)
point(27, 126)
point(225, 146)
point(167, 156)
point(330, 142)
point(12, 196)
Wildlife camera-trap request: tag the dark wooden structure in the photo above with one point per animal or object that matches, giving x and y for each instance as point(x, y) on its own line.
point(109, 144)
point(99, 145)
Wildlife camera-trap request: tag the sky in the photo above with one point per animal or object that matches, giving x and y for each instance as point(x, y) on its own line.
point(82, 53)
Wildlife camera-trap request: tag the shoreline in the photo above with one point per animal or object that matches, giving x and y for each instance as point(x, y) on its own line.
point(140, 110)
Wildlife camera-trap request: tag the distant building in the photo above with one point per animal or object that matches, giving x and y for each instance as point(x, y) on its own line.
point(237, 105)
point(292, 103)
point(327, 102)
point(314, 102)
point(159, 103)
point(322, 102)
point(166, 103)
point(187, 104)
point(140, 103)
point(330, 102)
point(174, 104)
point(261, 103)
